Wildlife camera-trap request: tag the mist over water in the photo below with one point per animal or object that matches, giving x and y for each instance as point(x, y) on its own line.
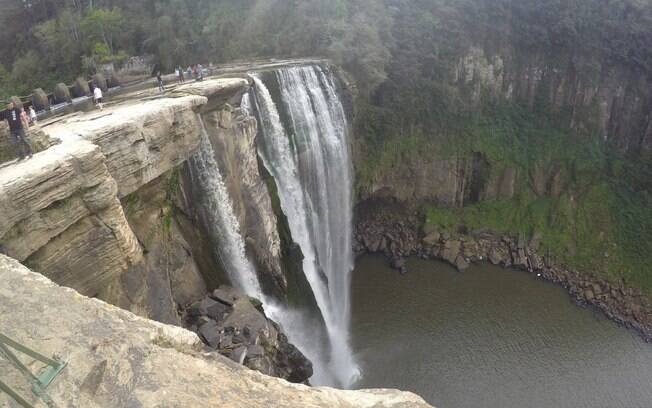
point(311, 164)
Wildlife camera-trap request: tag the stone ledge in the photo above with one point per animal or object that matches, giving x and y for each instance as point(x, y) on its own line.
point(118, 359)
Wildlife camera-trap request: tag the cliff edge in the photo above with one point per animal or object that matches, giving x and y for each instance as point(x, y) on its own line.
point(116, 359)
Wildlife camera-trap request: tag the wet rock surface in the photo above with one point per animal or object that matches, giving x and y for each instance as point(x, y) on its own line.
point(236, 326)
point(397, 231)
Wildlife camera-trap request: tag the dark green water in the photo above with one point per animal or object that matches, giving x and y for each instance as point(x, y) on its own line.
point(491, 338)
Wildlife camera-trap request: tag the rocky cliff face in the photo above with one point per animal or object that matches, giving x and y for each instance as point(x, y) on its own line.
point(233, 136)
point(170, 276)
point(601, 102)
point(61, 215)
point(615, 97)
point(118, 359)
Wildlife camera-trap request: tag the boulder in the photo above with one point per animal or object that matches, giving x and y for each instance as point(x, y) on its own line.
point(451, 251)
point(226, 295)
point(80, 88)
point(432, 238)
point(589, 295)
point(100, 80)
point(494, 256)
point(461, 263)
point(40, 100)
point(597, 289)
point(61, 93)
point(210, 333)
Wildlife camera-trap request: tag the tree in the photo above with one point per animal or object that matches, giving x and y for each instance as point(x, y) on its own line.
point(102, 25)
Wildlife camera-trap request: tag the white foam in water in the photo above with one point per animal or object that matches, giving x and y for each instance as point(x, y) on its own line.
point(312, 168)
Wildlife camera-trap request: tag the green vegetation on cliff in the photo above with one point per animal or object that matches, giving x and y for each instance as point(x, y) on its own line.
point(595, 216)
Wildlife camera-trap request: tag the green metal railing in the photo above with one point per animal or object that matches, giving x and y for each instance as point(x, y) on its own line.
point(38, 382)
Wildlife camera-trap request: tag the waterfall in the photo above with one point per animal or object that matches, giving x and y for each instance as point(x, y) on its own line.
point(245, 104)
point(310, 160)
point(225, 228)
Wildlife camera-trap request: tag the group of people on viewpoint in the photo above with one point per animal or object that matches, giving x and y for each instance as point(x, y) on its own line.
point(19, 120)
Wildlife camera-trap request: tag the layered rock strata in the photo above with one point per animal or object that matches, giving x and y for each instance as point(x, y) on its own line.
point(62, 209)
point(116, 359)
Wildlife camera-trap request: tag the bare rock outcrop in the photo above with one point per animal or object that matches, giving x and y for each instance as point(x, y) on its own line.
point(61, 209)
point(140, 139)
point(61, 215)
point(117, 359)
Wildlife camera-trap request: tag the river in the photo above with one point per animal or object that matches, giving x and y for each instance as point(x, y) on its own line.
point(492, 338)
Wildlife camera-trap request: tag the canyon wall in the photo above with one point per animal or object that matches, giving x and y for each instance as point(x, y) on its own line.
point(109, 210)
point(600, 101)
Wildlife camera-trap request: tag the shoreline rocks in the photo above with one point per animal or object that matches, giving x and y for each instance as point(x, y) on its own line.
point(235, 325)
point(392, 229)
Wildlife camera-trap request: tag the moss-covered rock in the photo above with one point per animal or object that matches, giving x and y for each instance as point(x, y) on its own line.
point(40, 100)
point(100, 80)
point(80, 88)
point(62, 93)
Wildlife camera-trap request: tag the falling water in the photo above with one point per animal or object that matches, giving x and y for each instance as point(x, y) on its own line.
point(225, 228)
point(245, 104)
point(310, 162)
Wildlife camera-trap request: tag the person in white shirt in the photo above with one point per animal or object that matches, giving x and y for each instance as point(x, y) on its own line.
point(97, 96)
point(32, 115)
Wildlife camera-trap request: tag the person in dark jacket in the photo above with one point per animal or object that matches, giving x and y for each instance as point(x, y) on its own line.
point(159, 80)
point(17, 130)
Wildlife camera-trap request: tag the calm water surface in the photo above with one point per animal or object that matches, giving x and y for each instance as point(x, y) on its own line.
point(491, 338)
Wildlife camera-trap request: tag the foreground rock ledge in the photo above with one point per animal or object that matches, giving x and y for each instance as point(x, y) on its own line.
point(116, 359)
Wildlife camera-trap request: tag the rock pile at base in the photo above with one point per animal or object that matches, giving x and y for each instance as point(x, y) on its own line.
point(236, 326)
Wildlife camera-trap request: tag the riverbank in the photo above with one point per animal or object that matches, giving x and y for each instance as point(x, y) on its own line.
point(397, 231)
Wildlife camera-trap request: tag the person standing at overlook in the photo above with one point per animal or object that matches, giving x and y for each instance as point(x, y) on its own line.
point(159, 80)
point(97, 95)
point(17, 131)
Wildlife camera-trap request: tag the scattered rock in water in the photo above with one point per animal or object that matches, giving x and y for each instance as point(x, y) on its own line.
point(235, 325)
point(589, 295)
point(451, 251)
point(461, 263)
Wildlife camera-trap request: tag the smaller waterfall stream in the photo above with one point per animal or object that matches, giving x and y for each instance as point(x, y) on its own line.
point(224, 223)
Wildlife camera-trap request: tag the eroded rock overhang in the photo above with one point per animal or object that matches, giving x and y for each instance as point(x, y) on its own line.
point(61, 209)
